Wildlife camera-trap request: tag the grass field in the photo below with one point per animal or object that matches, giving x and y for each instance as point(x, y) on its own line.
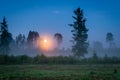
point(59, 72)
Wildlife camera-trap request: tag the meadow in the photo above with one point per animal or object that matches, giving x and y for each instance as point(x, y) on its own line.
point(60, 72)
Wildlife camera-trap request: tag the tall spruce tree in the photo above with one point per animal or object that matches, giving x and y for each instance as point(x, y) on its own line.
point(5, 38)
point(80, 35)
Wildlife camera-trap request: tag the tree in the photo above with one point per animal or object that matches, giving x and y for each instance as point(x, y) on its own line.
point(110, 39)
point(20, 40)
point(32, 38)
point(6, 38)
point(80, 35)
point(58, 38)
point(23, 39)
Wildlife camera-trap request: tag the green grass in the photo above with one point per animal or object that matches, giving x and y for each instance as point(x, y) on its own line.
point(59, 72)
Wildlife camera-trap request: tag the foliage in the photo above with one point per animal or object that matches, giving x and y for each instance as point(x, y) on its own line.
point(80, 35)
point(5, 38)
point(20, 39)
point(32, 37)
point(110, 39)
point(41, 59)
point(58, 38)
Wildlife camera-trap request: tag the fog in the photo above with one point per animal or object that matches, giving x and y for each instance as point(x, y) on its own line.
point(101, 49)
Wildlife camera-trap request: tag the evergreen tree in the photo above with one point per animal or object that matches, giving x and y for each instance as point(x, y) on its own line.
point(80, 35)
point(30, 38)
point(6, 38)
point(23, 39)
point(20, 40)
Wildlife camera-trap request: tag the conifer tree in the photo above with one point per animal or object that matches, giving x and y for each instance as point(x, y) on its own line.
point(79, 33)
point(5, 38)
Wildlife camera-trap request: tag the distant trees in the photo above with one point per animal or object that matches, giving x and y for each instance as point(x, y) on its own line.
point(5, 38)
point(20, 39)
point(79, 32)
point(41, 59)
point(32, 37)
point(29, 42)
point(58, 38)
point(110, 39)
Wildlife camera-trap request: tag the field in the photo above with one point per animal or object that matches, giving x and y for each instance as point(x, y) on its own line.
point(59, 72)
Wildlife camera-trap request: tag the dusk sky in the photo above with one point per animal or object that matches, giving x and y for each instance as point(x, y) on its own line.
point(53, 16)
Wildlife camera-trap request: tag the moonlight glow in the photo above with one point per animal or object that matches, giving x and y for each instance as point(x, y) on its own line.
point(46, 43)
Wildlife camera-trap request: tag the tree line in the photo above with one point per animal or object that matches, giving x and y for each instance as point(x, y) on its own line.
point(41, 59)
point(21, 41)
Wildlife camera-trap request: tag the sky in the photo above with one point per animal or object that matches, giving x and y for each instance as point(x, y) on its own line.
point(53, 16)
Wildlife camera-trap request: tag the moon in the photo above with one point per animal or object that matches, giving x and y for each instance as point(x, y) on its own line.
point(46, 43)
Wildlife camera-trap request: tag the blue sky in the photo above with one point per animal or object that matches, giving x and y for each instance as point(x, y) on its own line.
point(51, 16)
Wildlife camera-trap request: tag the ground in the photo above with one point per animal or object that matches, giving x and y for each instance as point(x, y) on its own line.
point(60, 72)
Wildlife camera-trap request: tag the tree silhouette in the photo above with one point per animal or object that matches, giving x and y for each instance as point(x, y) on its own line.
point(79, 32)
point(32, 37)
point(6, 38)
point(58, 38)
point(20, 40)
point(110, 39)
point(23, 39)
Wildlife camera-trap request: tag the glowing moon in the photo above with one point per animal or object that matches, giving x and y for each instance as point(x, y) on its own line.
point(46, 43)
